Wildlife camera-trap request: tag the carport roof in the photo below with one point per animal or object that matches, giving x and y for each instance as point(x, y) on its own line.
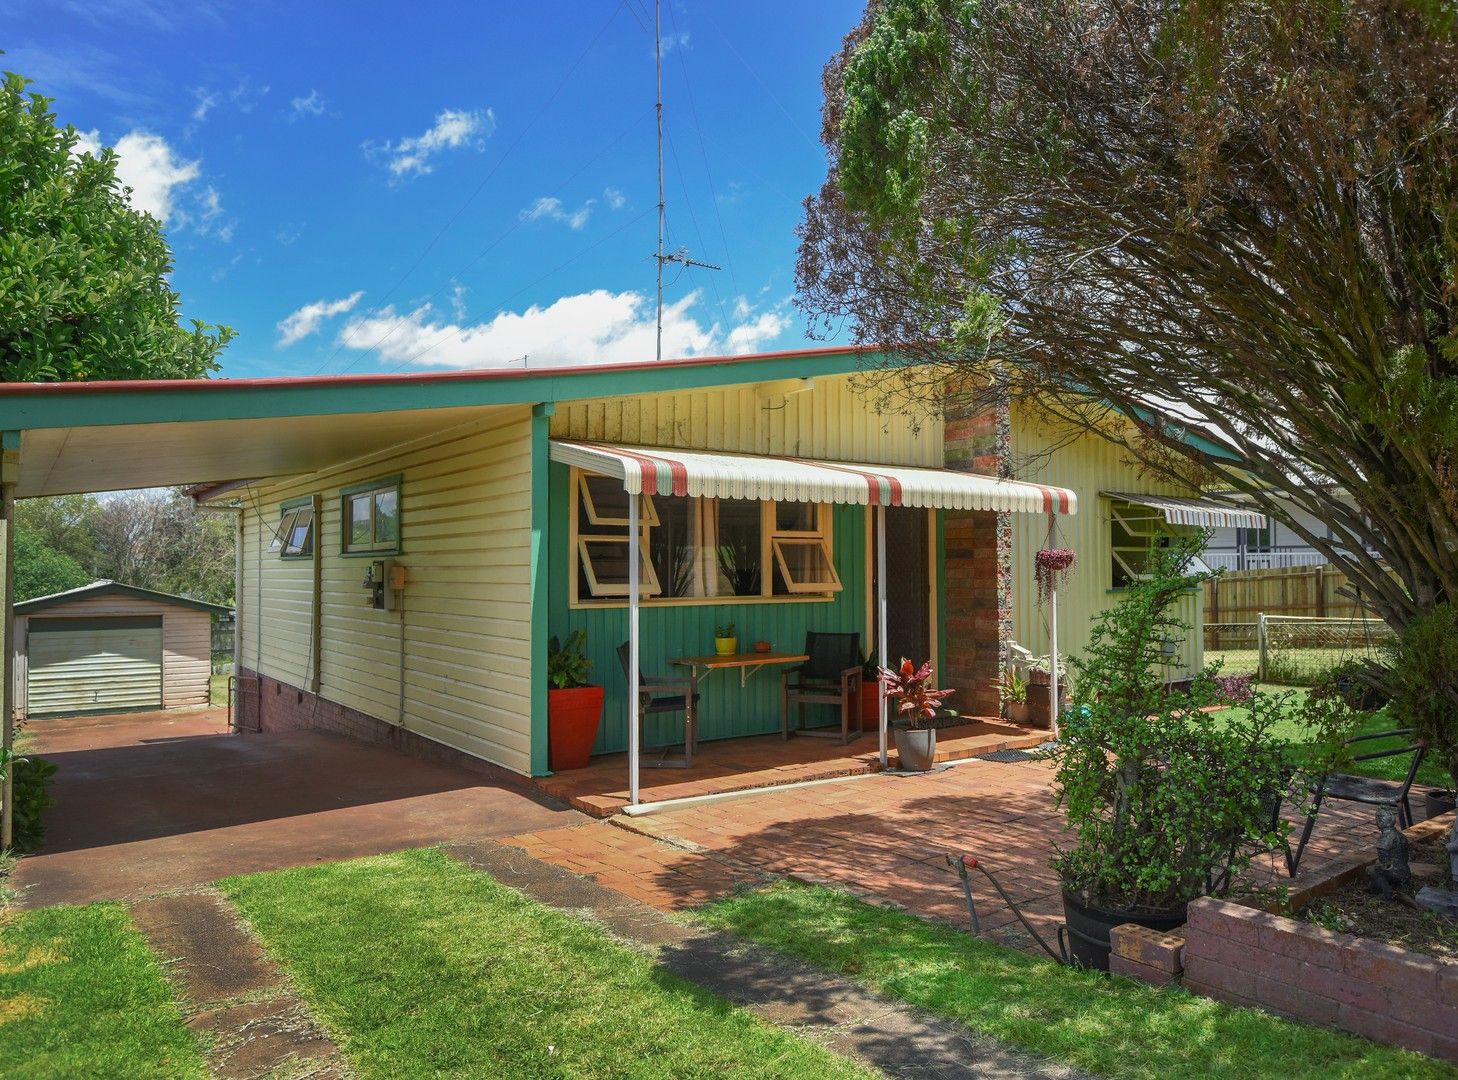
point(115, 588)
point(99, 436)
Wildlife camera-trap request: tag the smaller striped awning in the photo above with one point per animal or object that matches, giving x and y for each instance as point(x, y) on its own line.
point(717, 475)
point(1199, 512)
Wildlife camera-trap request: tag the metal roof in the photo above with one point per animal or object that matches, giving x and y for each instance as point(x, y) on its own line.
point(1199, 512)
point(103, 588)
point(711, 474)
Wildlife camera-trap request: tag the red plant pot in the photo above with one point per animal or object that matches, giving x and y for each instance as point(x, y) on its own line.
point(573, 717)
point(868, 707)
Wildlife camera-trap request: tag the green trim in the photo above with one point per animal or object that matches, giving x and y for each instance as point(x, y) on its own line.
point(95, 622)
point(9, 440)
point(242, 400)
point(283, 510)
point(398, 483)
point(102, 588)
point(541, 585)
point(290, 504)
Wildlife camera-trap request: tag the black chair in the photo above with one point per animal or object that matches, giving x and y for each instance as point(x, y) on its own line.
point(831, 676)
point(657, 696)
point(1364, 789)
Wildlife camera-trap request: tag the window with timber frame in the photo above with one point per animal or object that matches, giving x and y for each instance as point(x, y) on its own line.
point(369, 518)
point(294, 537)
point(1134, 531)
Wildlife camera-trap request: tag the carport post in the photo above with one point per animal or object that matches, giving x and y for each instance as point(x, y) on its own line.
point(7, 669)
point(633, 688)
point(881, 621)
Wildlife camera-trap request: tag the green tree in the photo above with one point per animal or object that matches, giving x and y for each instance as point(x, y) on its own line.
point(1236, 215)
point(66, 524)
point(84, 290)
point(41, 570)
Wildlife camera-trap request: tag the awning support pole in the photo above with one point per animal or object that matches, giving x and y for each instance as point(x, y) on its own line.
point(633, 688)
point(881, 657)
point(1053, 647)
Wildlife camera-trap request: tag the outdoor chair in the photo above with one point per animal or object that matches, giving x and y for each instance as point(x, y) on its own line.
point(1363, 789)
point(831, 676)
point(657, 696)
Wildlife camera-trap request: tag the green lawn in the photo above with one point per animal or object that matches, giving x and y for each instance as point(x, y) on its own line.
point(422, 967)
point(81, 996)
point(1113, 1028)
point(218, 690)
point(1430, 774)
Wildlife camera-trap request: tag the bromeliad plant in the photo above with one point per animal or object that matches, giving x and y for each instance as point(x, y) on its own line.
point(917, 704)
point(567, 663)
point(1163, 803)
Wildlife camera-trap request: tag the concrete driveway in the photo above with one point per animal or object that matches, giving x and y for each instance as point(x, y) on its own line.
point(153, 802)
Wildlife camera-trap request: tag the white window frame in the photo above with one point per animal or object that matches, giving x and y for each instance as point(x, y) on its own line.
point(648, 513)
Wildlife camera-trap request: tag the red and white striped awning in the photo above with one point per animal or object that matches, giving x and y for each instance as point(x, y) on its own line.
point(1200, 512)
point(717, 475)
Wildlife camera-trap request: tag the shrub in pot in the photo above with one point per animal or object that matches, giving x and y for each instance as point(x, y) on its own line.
point(1013, 689)
point(574, 706)
point(726, 641)
point(1163, 803)
point(917, 709)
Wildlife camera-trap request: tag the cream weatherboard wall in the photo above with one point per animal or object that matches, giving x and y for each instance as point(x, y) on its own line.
point(454, 662)
point(1088, 465)
point(835, 419)
point(186, 643)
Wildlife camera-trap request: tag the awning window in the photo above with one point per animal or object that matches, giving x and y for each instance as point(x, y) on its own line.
point(1201, 513)
point(714, 475)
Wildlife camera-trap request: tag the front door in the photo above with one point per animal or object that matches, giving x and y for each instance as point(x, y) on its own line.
point(908, 584)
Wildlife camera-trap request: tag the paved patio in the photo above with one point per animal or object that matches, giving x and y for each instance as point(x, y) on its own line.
point(153, 802)
point(757, 761)
point(882, 836)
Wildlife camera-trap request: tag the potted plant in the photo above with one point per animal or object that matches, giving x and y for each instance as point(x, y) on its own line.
point(868, 697)
point(725, 641)
point(574, 706)
point(1013, 689)
point(1162, 801)
point(918, 708)
point(1040, 692)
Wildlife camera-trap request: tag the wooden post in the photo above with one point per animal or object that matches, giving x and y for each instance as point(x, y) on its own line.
point(1318, 576)
point(1261, 646)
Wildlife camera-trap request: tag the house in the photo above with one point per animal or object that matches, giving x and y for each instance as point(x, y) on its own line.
point(108, 647)
point(409, 544)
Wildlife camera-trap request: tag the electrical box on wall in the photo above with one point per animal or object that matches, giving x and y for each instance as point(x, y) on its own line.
point(384, 579)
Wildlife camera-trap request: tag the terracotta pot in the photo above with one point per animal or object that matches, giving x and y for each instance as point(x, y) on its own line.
point(916, 748)
point(869, 708)
point(573, 717)
point(1089, 926)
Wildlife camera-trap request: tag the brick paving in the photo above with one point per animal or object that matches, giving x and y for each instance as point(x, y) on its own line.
point(744, 764)
point(884, 837)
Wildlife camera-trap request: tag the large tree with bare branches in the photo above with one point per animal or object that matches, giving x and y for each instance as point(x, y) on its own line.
point(1236, 211)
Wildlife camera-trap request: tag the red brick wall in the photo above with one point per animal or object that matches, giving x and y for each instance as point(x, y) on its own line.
point(977, 604)
point(281, 707)
point(1250, 957)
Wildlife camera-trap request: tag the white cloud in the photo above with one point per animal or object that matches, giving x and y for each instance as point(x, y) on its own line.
point(452, 130)
point(597, 327)
point(616, 200)
point(313, 105)
point(147, 165)
point(550, 207)
point(245, 95)
point(300, 324)
point(205, 102)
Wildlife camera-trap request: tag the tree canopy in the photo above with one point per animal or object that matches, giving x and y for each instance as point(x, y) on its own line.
point(41, 570)
point(1237, 212)
point(84, 290)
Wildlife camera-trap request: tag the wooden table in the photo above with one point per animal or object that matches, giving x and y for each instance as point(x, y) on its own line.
point(747, 663)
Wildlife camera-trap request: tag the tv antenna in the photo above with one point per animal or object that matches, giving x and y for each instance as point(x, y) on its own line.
point(662, 257)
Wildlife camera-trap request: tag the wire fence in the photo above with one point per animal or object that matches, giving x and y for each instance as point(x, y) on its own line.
point(1292, 650)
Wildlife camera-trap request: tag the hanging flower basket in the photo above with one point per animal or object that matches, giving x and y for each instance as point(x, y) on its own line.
point(1052, 567)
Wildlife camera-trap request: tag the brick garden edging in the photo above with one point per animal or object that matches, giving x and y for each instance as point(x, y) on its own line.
point(1246, 956)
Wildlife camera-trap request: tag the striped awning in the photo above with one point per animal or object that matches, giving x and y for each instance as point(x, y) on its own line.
point(1200, 512)
point(716, 475)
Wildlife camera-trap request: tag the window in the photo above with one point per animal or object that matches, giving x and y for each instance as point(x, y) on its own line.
point(1262, 539)
point(370, 516)
point(1133, 532)
point(294, 537)
point(696, 548)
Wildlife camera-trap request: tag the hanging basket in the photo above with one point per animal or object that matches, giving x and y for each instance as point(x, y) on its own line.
point(1052, 567)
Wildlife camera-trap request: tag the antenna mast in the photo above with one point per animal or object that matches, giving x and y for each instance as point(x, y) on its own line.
point(680, 256)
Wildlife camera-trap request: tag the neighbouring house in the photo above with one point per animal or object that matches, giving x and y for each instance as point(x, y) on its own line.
point(108, 647)
point(409, 544)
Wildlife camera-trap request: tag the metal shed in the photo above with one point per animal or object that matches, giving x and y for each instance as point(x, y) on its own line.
point(109, 647)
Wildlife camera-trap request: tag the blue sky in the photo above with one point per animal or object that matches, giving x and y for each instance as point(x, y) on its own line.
point(388, 187)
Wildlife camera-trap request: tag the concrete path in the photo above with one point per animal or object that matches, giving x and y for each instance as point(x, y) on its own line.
point(233, 994)
point(895, 1038)
point(157, 802)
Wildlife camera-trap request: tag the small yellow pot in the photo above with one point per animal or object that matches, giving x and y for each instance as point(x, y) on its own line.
point(726, 646)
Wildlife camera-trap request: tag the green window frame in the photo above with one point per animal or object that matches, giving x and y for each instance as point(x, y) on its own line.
point(370, 518)
point(295, 535)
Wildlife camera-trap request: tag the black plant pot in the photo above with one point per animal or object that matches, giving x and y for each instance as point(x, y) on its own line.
point(1438, 802)
point(1089, 926)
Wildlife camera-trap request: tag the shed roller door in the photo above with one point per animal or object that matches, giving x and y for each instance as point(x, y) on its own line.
point(93, 665)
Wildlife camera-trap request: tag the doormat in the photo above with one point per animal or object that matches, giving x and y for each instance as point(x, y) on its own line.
point(1006, 756)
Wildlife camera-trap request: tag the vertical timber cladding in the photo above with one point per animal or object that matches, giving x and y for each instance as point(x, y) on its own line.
point(465, 622)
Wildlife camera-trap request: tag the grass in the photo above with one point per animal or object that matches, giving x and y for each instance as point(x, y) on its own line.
point(422, 967)
point(218, 690)
point(78, 988)
point(1113, 1028)
point(1430, 774)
